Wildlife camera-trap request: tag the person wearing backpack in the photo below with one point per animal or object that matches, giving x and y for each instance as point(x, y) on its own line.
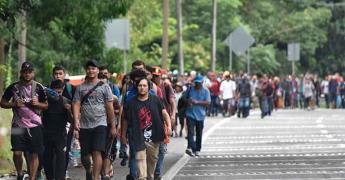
point(27, 99)
point(199, 98)
point(59, 73)
point(93, 113)
point(54, 120)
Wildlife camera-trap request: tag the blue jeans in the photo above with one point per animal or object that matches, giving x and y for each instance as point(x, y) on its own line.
point(161, 154)
point(197, 127)
point(214, 105)
point(243, 107)
point(133, 169)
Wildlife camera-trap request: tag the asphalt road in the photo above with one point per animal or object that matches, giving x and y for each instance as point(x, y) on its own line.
point(291, 144)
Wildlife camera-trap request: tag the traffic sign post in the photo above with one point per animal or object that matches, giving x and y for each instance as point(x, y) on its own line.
point(239, 42)
point(293, 54)
point(117, 35)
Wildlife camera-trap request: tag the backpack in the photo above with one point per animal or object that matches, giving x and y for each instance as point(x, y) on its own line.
point(69, 90)
point(183, 103)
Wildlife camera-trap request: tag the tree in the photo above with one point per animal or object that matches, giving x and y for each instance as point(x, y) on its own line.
point(165, 38)
point(179, 36)
point(214, 35)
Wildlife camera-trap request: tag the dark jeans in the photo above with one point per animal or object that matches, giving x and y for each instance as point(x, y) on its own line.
point(327, 100)
point(243, 107)
point(197, 127)
point(214, 105)
point(54, 155)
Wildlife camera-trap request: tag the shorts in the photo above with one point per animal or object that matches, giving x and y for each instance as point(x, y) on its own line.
point(93, 139)
point(27, 139)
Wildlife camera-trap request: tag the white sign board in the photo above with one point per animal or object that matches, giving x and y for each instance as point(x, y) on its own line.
point(293, 52)
point(117, 34)
point(239, 41)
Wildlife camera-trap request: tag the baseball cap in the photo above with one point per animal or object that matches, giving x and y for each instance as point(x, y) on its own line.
point(92, 63)
point(27, 66)
point(199, 79)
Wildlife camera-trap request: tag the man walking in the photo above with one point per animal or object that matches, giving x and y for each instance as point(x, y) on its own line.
point(199, 98)
point(93, 111)
point(59, 73)
point(54, 120)
point(146, 115)
point(27, 99)
point(227, 94)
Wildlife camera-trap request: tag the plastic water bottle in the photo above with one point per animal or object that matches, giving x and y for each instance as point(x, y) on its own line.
point(75, 153)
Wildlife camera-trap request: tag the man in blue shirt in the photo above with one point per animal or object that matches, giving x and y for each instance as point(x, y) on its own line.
point(199, 98)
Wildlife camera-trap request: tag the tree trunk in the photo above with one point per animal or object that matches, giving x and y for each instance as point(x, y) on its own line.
point(22, 39)
point(2, 64)
point(214, 31)
point(165, 40)
point(179, 37)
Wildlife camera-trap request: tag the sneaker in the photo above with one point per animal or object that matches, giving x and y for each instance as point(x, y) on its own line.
point(124, 162)
point(20, 177)
point(106, 177)
point(67, 177)
point(130, 177)
point(190, 152)
point(88, 176)
point(197, 153)
point(158, 177)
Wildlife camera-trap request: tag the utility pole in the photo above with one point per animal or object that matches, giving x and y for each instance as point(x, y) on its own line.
point(165, 40)
point(22, 38)
point(214, 31)
point(3, 64)
point(179, 36)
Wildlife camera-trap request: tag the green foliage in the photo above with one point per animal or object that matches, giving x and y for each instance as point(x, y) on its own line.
point(69, 32)
point(5, 148)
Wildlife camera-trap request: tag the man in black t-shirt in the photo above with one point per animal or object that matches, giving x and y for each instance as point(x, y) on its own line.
point(26, 98)
point(54, 120)
point(145, 114)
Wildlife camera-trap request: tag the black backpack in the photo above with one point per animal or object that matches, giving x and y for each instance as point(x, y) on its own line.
point(183, 103)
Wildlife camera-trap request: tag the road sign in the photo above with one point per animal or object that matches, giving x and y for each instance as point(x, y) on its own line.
point(293, 51)
point(117, 34)
point(239, 41)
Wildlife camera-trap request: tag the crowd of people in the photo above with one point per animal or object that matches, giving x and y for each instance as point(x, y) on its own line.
point(135, 115)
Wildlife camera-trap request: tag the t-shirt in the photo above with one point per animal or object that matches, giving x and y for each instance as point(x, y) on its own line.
point(214, 87)
point(324, 86)
point(197, 111)
point(146, 120)
point(228, 87)
point(93, 111)
point(27, 116)
point(56, 116)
